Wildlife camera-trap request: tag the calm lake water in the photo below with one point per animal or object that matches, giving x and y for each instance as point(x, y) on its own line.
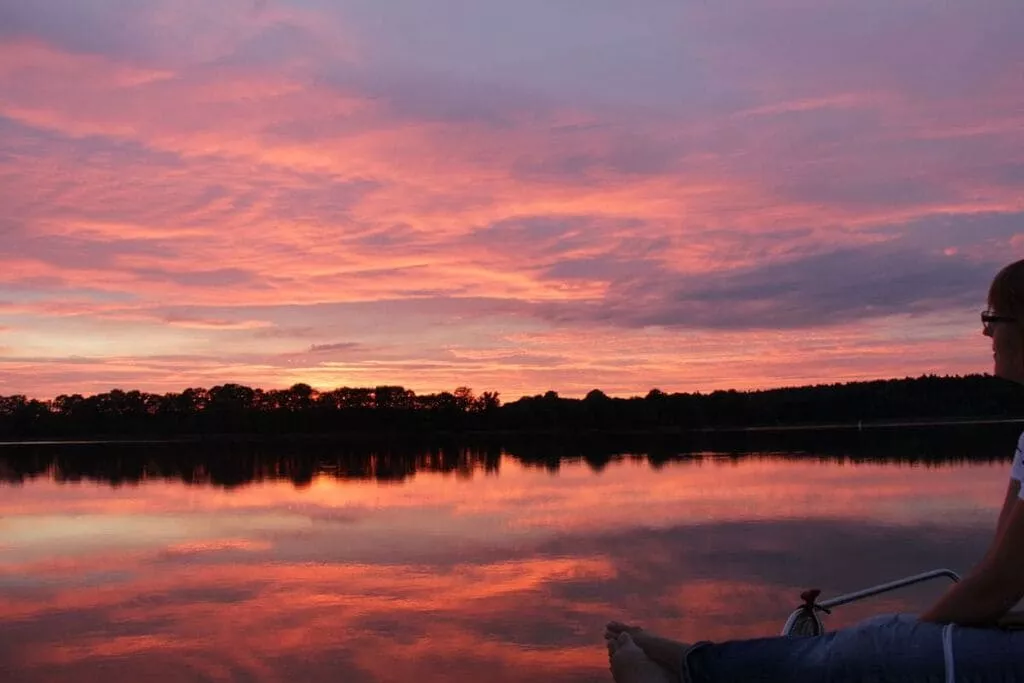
point(495, 570)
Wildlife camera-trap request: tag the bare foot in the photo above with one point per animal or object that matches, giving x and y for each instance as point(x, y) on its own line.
point(668, 653)
point(629, 664)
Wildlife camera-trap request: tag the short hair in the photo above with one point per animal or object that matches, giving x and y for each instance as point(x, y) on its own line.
point(1006, 295)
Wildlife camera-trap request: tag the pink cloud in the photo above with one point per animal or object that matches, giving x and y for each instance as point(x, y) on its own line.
point(291, 159)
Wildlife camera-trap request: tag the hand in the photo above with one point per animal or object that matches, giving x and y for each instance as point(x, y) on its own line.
point(1012, 621)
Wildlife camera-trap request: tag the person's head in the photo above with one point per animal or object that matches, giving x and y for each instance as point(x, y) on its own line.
point(1004, 322)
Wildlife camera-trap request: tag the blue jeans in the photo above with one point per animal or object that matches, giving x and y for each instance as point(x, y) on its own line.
point(893, 648)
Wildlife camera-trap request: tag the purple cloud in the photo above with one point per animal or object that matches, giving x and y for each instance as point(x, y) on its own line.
point(814, 291)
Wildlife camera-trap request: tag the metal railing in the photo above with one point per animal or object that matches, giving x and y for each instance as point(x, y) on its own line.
point(805, 620)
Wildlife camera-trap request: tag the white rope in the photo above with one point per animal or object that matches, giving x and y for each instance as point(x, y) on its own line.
point(947, 649)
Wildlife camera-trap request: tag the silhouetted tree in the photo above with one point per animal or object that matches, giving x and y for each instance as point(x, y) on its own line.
point(392, 398)
point(488, 401)
point(464, 398)
point(232, 398)
point(237, 409)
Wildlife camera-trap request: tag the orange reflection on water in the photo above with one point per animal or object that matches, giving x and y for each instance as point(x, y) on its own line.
point(528, 496)
point(507, 577)
point(270, 612)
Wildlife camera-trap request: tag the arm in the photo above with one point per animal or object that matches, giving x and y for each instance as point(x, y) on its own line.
point(1012, 491)
point(996, 584)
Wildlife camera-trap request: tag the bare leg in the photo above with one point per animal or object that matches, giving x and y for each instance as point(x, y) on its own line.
point(668, 653)
point(629, 664)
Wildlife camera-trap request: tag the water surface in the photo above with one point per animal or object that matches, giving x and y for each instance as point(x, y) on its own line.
point(492, 570)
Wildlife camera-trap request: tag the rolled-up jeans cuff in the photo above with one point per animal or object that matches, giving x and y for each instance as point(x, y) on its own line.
point(686, 671)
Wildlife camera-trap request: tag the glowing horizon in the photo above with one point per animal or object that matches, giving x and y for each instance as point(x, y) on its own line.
point(518, 198)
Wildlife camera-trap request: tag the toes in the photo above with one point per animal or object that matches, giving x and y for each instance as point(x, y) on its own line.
point(615, 643)
point(619, 627)
point(612, 634)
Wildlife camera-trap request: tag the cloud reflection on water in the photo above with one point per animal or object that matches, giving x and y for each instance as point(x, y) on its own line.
point(442, 578)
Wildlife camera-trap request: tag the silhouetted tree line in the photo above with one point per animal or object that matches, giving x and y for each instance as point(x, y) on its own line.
point(237, 409)
point(239, 462)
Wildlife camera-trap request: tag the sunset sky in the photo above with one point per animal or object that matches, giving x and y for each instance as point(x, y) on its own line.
point(514, 196)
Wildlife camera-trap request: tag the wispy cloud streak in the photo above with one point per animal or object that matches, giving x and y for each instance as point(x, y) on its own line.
point(241, 185)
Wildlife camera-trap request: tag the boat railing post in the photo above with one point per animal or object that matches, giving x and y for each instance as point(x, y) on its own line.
point(805, 621)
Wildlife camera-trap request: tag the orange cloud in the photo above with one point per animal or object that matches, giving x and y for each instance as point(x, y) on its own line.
point(227, 182)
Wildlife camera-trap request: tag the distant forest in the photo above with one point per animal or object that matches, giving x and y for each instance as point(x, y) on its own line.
point(233, 409)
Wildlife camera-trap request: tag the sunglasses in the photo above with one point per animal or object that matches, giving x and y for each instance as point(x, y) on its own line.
point(988, 319)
